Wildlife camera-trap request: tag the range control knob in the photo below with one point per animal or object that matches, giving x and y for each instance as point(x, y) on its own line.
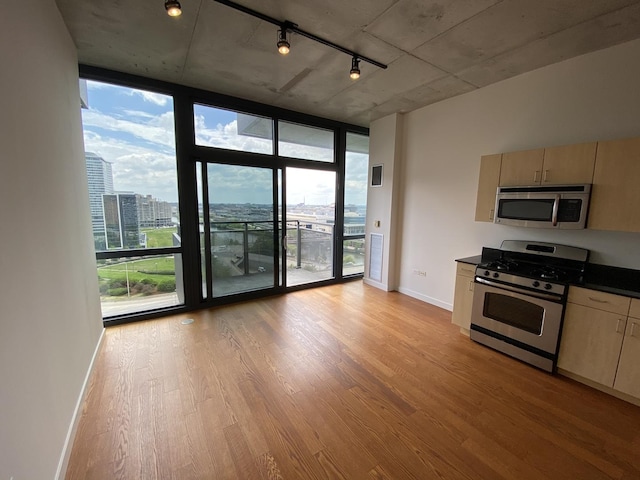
point(487, 273)
point(496, 275)
point(548, 286)
point(536, 283)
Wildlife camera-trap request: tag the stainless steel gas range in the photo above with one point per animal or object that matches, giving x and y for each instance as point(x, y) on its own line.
point(519, 298)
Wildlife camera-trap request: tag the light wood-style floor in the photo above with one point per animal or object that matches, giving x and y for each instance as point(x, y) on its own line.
point(339, 382)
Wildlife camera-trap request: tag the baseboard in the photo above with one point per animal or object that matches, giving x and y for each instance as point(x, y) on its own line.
point(602, 388)
point(379, 285)
point(73, 427)
point(426, 299)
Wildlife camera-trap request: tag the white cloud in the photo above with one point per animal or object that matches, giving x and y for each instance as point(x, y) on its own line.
point(155, 98)
point(138, 114)
point(158, 130)
point(226, 136)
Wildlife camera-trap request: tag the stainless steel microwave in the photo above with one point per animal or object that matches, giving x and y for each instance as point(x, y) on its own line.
point(543, 206)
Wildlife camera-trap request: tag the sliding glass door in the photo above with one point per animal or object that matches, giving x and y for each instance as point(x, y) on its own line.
point(239, 229)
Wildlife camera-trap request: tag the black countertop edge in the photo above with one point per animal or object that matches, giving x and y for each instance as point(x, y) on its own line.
point(475, 260)
point(616, 280)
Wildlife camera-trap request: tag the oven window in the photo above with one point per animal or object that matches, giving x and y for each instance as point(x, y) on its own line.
point(515, 312)
point(539, 209)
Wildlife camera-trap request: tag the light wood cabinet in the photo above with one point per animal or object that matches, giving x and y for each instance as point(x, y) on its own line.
point(487, 186)
point(521, 168)
point(628, 374)
point(615, 197)
point(463, 296)
point(563, 165)
point(601, 339)
point(591, 342)
point(569, 164)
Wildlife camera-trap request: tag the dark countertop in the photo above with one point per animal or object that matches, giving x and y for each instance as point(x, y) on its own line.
point(616, 280)
point(475, 260)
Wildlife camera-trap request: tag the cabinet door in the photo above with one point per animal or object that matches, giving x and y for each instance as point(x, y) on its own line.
point(628, 376)
point(462, 301)
point(615, 199)
point(569, 164)
point(591, 342)
point(521, 168)
point(487, 186)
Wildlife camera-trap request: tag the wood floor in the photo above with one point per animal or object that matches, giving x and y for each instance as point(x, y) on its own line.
point(340, 382)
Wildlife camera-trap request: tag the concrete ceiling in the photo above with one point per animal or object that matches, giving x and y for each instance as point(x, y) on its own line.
point(434, 49)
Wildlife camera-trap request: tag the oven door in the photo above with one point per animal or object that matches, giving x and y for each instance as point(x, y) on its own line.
point(520, 319)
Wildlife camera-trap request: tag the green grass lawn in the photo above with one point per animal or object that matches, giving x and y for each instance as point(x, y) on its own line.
point(159, 237)
point(119, 271)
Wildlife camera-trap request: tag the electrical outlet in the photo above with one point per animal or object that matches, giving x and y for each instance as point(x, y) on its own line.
point(420, 273)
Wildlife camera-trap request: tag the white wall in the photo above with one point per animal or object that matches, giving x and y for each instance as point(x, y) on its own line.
point(50, 321)
point(383, 201)
point(592, 97)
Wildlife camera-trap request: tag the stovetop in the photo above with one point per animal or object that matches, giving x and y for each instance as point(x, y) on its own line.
point(536, 266)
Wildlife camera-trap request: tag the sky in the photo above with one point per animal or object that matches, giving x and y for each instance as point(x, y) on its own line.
point(134, 131)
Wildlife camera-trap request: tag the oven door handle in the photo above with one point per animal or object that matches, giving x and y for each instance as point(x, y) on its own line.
point(554, 213)
point(542, 295)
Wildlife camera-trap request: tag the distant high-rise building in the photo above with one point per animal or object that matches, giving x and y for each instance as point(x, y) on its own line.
point(100, 181)
point(121, 220)
point(153, 213)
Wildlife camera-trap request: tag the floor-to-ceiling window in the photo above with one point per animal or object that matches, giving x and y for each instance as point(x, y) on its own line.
point(198, 199)
point(355, 203)
point(132, 178)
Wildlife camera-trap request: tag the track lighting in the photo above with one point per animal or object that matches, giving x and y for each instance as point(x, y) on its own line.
point(173, 8)
point(355, 68)
point(283, 45)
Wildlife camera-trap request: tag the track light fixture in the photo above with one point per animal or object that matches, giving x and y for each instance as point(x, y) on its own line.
point(173, 8)
point(283, 45)
point(355, 68)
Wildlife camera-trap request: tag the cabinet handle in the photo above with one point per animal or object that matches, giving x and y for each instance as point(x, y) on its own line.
point(535, 176)
point(633, 326)
point(471, 287)
point(597, 300)
point(546, 175)
point(618, 326)
point(491, 214)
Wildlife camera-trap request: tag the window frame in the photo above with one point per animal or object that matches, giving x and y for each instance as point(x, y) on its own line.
point(188, 154)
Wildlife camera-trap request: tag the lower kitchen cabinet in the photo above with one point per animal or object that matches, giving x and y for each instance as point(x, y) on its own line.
point(601, 339)
point(591, 342)
point(628, 375)
point(463, 296)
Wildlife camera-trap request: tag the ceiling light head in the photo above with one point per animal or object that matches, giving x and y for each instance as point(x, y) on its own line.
point(173, 8)
point(355, 68)
point(283, 45)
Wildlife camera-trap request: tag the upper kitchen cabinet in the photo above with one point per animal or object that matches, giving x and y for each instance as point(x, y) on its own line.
point(569, 164)
point(563, 165)
point(521, 168)
point(487, 186)
point(615, 197)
